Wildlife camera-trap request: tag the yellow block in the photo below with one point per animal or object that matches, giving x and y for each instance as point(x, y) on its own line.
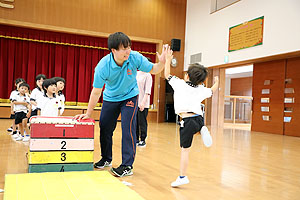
point(94, 185)
point(60, 157)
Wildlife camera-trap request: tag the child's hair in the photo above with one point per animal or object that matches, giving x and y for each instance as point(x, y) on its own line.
point(57, 79)
point(47, 83)
point(40, 76)
point(197, 73)
point(19, 80)
point(116, 39)
point(24, 85)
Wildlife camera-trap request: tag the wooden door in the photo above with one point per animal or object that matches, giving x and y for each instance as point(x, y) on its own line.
point(292, 95)
point(268, 84)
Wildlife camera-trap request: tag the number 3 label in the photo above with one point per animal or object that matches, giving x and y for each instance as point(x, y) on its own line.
point(63, 157)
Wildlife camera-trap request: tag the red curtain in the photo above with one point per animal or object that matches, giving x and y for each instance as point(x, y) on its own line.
point(25, 59)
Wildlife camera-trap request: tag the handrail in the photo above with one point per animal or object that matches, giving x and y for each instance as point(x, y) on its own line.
point(234, 102)
point(239, 97)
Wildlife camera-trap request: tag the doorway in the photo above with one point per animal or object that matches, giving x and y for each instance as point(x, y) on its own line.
point(238, 96)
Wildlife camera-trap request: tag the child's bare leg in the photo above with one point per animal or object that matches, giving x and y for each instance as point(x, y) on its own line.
point(24, 122)
point(21, 128)
point(13, 126)
point(184, 161)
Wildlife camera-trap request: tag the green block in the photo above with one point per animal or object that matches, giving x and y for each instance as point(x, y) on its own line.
point(33, 168)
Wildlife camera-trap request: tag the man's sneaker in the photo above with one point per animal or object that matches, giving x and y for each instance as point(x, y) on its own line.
point(180, 181)
point(142, 144)
point(102, 163)
point(26, 138)
point(206, 137)
point(122, 171)
point(9, 129)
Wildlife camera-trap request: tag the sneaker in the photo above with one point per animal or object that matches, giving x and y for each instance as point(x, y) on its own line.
point(26, 138)
point(11, 133)
point(142, 144)
point(122, 171)
point(15, 134)
point(20, 138)
point(102, 163)
point(180, 181)
point(206, 137)
point(9, 129)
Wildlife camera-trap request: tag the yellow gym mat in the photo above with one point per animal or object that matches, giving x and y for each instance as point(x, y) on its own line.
point(89, 185)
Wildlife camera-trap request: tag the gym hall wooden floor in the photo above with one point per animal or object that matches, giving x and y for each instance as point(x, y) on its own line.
point(240, 165)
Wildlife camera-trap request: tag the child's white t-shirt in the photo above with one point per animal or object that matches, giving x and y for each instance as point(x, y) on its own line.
point(12, 96)
point(188, 98)
point(36, 94)
point(62, 99)
point(49, 106)
point(144, 81)
point(20, 107)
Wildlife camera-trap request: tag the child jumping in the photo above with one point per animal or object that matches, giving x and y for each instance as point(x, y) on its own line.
point(188, 95)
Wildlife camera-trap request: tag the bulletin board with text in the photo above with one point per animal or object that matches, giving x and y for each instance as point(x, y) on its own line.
point(245, 35)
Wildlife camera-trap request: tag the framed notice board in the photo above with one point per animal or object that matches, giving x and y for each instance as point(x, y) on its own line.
point(245, 35)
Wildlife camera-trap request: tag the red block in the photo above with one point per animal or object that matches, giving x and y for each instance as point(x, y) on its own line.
point(61, 127)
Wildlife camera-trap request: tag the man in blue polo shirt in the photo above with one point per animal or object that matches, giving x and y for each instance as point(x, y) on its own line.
point(117, 71)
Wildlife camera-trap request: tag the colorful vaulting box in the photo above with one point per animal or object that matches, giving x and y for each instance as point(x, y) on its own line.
point(61, 127)
point(61, 144)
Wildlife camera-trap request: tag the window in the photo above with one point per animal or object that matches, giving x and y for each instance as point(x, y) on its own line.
point(219, 4)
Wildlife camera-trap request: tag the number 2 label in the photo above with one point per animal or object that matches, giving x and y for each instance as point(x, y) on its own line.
point(64, 143)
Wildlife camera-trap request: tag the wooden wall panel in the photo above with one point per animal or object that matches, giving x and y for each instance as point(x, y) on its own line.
point(274, 71)
point(293, 73)
point(153, 19)
point(5, 111)
point(241, 86)
point(208, 102)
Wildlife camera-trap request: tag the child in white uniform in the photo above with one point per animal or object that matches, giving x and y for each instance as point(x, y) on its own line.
point(22, 106)
point(37, 93)
point(49, 103)
point(188, 95)
point(60, 85)
point(13, 128)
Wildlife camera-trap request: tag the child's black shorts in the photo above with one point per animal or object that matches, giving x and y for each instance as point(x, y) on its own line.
point(34, 112)
point(191, 125)
point(12, 116)
point(19, 117)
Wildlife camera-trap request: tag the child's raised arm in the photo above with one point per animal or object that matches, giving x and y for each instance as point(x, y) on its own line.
point(169, 56)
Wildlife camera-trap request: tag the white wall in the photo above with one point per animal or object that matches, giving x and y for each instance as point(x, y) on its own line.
point(208, 33)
